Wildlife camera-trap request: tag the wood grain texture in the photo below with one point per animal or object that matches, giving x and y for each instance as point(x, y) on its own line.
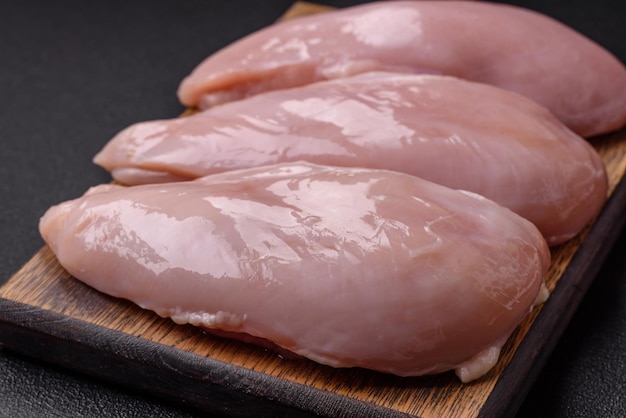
point(46, 313)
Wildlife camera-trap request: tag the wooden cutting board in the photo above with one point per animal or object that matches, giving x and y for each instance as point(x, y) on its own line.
point(46, 313)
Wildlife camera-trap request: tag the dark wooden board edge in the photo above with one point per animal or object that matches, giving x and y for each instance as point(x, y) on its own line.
point(217, 387)
point(534, 350)
point(177, 375)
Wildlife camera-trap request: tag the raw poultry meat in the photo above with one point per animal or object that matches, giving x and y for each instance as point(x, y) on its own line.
point(348, 267)
point(513, 48)
point(461, 134)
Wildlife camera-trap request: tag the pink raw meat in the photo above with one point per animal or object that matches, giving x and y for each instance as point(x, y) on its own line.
point(516, 49)
point(348, 267)
point(461, 134)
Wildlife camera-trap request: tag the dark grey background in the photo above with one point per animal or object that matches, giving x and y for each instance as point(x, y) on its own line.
point(73, 73)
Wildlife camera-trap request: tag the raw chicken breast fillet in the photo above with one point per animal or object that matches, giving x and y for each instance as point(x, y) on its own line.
point(348, 267)
point(460, 134)
point(516, 49)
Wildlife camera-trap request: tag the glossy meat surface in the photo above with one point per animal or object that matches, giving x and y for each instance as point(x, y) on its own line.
point(457, 133)
point(516, 49)
point(347, 267)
